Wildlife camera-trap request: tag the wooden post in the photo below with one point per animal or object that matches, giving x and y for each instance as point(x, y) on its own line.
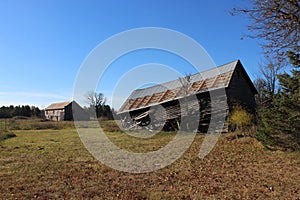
point(5, 128)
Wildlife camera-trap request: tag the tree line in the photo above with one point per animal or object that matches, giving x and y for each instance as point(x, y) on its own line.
point(97, 108)
point(24, 110)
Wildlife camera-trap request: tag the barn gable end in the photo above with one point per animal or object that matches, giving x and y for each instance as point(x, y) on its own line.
point(241, 89)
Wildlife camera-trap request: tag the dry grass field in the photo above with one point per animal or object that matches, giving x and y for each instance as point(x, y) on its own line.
point(53, 164)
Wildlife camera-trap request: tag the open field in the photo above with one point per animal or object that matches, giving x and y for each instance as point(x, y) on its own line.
point(52, 164)
point(24, 123)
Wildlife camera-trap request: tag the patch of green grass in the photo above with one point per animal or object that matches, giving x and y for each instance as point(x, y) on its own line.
point(140, 145)
point(53, 164)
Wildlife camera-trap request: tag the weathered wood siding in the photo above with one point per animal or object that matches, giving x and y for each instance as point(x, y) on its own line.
point(55, 114)
point(173, 111)
point(68, 113)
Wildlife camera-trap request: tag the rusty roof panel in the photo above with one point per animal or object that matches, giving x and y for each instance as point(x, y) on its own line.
point(154, 98)
point(195, 86)
point(223, 79)
point(208, 80)
point(169, 95)
point(128, 104)
point(145, 101)
point(136, 103)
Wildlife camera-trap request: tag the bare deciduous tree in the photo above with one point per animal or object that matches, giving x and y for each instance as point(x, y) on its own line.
point(267, 82)
point(185, 83)
point(96, 101)
point(269, 71)
point(276, 23)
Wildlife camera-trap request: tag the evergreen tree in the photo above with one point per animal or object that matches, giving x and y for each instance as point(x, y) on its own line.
point(13, 111)
point(281, 121)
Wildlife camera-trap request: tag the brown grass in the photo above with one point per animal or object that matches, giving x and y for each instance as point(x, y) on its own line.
point(53, 164)
point(23, 123)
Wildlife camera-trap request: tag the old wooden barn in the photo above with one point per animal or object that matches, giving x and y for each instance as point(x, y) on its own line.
point(143, 108)
point(63, 111)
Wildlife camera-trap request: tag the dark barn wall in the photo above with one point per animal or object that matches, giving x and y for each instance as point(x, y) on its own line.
point(240, 91)
point(68, 113)
point(81, 114)
point(205, 111)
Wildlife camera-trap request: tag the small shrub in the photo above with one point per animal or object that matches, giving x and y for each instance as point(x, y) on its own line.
point(240, 118)
point(264, 137)
point(44, 125)
point(109, 125)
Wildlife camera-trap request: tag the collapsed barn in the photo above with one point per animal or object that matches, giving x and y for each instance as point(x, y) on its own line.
point(167, 105)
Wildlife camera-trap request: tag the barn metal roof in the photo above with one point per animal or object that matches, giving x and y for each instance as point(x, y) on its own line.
point(212, 79)
point(60, 105)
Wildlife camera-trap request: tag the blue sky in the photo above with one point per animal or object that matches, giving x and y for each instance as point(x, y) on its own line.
point(43, 43)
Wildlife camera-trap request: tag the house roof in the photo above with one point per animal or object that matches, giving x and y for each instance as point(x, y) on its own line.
point(60, 105)
point(215, 78)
